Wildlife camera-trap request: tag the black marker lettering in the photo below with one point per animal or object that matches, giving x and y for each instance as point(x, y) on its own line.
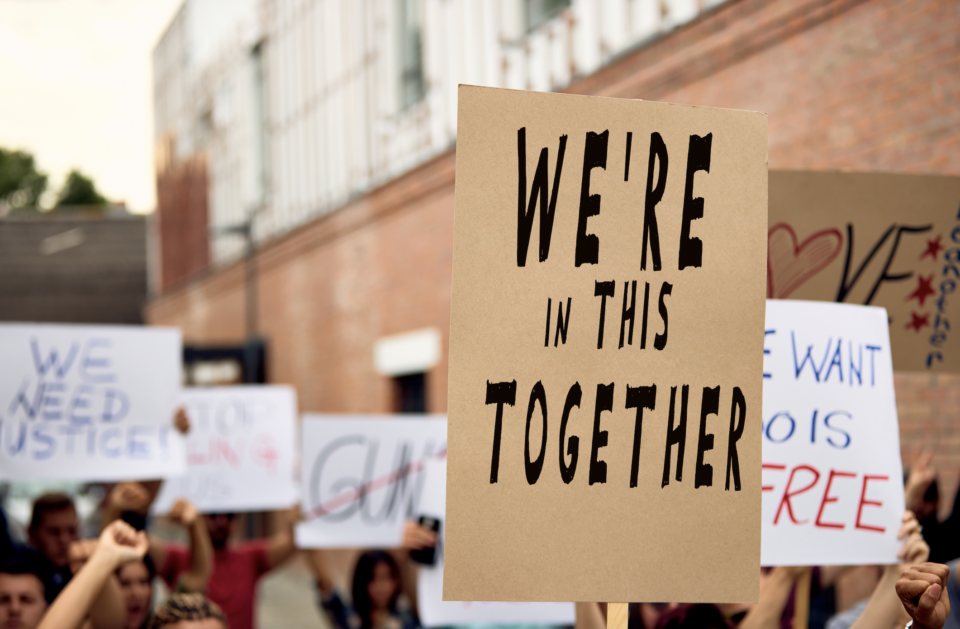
point(562, 323)
point(736, 431)
point(628, 313)
point(660, 341)
point(643, 326)
point(639, 398)
point(659, 150)
point(546, 338)
point(698, 158)
point(500, 393)
point(626, 165)
point(594, 156)
point(533, 468)
point(603, 290)
point(573, 443)
point(676, 435)
point(598, 469)
point(709, 405)
point(525, 219)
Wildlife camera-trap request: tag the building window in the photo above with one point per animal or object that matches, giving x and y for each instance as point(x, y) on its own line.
point(539, 11)
point(261, 137)
point(410, 393)
point(411, 53)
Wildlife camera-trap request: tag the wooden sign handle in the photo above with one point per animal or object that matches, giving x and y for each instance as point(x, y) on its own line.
point(801, 601)
point(617, 615)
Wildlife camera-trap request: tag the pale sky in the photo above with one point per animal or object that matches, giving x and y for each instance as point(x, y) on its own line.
point(76, 89)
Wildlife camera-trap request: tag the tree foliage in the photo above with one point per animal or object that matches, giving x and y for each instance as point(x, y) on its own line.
point(79, 190)
point(21, 184)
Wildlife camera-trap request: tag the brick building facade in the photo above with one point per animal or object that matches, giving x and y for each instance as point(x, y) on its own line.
point(867, 85)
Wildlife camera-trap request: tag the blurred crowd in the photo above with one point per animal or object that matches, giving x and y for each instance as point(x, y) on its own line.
point(54, 579)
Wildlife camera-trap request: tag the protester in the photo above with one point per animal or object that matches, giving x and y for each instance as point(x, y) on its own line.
point(953, 593)
point(7, 548)
point(923, 593)
point(136, 585)
point(53, 527)
point(22, 601)
point(136, 577)
point(589, 616)
point(922, 496)
point(376, 598)
point(882, 609)
point(237, 568)
point(117, 545)
point(189, 611)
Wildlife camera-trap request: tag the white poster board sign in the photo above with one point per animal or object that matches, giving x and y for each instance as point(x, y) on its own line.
point(832, 476)
point(89, 403)
point(435, 612)
point(240, 450)
point(362, 477)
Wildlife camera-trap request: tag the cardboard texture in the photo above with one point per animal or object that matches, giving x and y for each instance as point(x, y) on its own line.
point(832, 477)
point(562, 510)
point(873, 239)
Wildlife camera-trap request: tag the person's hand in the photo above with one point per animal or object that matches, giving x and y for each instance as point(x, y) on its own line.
point(79, 552)
point(293, 515)
point(120, 544)
point(915, 550)
point(183, 513)
point(181, 421)
point(921, 475)
point(416, 537)
point(923, 592)
point(129, 496)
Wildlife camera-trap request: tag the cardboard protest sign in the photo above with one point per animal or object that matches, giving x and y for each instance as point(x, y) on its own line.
point(362, 477)
point(240, 450)
point(605, 350)
point(876, 239)
point(435, 612)
point(86, 402)
point(832, 477)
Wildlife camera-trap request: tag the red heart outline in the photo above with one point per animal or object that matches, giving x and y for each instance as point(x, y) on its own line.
point(789, 265)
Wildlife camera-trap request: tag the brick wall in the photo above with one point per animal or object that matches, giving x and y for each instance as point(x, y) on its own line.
point(847, 84)
point(182, 214)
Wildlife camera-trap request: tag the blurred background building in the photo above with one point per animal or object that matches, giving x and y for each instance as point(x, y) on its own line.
point(73, 266)
point(305, 155)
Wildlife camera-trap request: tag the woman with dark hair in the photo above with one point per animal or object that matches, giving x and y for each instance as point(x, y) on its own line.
point(136, 585)
point(376, 598)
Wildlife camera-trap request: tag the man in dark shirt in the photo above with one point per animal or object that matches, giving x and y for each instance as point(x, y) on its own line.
point(53, 527)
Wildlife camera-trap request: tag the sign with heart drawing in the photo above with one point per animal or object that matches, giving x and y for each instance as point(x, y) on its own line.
point(873, 239)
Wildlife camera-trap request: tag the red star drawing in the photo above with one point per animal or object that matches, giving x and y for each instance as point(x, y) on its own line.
point(924, 289)
point(933, 248)
point(917, 321)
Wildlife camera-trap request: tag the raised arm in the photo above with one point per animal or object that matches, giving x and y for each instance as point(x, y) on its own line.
point(923, 592)
point(589, 616)
point(118, 544)
point(109, 610)
point(773, 598)
point(126, 496)
point(884, 609)
point(317, 559)
point(415, 537)
point(201, 549)
point(281, 546)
